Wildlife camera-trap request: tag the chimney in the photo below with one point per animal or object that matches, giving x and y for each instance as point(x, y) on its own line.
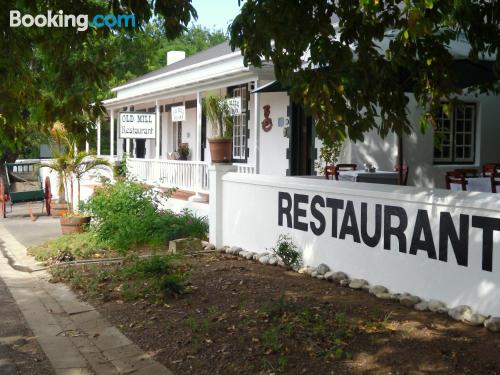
point(174, 56)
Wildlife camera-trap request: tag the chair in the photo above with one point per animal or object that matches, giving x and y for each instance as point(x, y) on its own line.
point(344, 167)
point(329, 171)
point(404, 179)
point(495, 181)
point(456, 177)
point(468, 172)
point(489, 168)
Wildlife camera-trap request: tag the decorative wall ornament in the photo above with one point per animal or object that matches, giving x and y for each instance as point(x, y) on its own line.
point(267, 123)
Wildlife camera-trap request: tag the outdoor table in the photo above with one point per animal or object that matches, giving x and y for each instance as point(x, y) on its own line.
point(481, 184)
point(377, 177)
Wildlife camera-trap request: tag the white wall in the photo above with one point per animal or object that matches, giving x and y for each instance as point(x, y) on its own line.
point(255, 227)
point(419, 148)
point(189, 132)
point(273, 144)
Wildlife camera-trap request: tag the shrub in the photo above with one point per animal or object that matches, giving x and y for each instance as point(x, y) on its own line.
point(185, 224)
point(287, 251)
point(126, 213)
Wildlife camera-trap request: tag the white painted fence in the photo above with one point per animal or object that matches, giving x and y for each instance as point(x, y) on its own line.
point(432, 243)
point(181, 174)
point(245, 168)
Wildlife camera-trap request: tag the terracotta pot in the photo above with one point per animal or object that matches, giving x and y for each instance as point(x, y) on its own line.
point(221, 150)
point(74, 224)
point(58, 209)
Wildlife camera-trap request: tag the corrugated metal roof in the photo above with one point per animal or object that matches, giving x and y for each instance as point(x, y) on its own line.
point(208, 54)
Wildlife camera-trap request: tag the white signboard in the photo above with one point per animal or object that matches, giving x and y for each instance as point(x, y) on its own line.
point(234, 105)
point(137, 125)
point(179, 113)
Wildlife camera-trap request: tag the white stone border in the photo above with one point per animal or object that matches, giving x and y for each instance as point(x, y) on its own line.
point(462, 313)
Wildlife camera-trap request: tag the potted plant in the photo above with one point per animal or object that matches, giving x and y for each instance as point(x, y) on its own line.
point(71, 165)
point(183, 151)
point(59, 165)
point(219, 114)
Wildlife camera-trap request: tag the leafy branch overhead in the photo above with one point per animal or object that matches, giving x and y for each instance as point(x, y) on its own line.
point(353, 63)
point(51, 74)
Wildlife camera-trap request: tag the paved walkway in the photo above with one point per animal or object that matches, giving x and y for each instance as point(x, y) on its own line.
point(73, 335)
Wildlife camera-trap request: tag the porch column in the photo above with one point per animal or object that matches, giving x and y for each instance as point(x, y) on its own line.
point(98, 136)
point(198, 126)
point(112, 133)
point(256, 128)
point(157, 140)
point(87, 146)
point(127, 145)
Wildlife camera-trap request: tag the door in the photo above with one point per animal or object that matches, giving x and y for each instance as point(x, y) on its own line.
point(301, 151)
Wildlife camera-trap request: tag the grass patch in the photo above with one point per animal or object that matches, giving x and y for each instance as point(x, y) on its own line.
point(74, 246)
point(154, 278)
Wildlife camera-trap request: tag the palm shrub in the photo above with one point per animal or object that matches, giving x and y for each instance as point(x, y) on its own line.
point(218, 112)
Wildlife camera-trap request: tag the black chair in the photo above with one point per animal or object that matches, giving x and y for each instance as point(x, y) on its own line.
point(495, 181)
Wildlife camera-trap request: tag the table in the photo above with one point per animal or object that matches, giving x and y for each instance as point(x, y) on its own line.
point(377, 177)
point(481, 184)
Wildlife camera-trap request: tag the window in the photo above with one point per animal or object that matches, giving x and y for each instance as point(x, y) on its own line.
point(454, 136)
point(240, 124)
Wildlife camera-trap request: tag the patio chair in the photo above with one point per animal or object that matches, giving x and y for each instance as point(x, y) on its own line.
point(468, 172)
point(495, 181)
point(344, 167)
point(329, 171)
point(456, 177)
point(404, 179)
point(489, 168)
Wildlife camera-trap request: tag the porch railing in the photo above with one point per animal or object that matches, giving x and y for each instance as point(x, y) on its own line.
point(245, 168)
point(185, 175)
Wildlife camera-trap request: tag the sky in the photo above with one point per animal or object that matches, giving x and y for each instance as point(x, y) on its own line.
point(216, 13)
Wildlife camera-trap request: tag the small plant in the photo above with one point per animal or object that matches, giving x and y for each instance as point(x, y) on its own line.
point(329, 155)
point(183, 151)
point(218, 112)
point(287, 251)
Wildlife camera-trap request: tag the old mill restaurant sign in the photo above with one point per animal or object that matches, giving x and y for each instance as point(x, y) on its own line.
point(137, 125)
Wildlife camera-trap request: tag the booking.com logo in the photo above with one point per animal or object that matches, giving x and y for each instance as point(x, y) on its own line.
point(80, 21)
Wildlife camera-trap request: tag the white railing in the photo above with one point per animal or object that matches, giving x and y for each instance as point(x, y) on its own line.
point(245, 168)
point(181, 174)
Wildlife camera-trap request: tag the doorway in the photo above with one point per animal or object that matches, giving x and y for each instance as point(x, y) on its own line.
point(301, 152)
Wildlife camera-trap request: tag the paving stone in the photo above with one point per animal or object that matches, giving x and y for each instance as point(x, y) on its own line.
point(74, 371)
point(100, 365)
point(134, 363)
point(62, 354)
point(155, 369)
point(110, 338)
point(122, 352)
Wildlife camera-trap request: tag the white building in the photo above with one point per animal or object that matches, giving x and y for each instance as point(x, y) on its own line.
point(289, 147)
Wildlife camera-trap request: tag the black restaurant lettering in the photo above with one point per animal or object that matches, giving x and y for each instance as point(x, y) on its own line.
point(352, 228)
point(295, 209)
point(488, 225)
point(317, 229)
point(299, 212)
point(459, 242)
point(371, 241)
point(423, 228)
point(399, 231)
point(284, 210)
point(335, 205)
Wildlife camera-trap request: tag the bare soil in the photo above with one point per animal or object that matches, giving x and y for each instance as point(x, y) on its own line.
point(241, 317)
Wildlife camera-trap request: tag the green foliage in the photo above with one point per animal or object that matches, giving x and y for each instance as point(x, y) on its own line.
point(218, 113)
point(127, 214)
point(80, 246)
point(54, 74)
point(287, 251)
point(363, 57)
point(329, 154)
point(154, 278)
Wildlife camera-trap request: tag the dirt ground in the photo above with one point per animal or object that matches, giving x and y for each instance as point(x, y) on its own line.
point(241, 317)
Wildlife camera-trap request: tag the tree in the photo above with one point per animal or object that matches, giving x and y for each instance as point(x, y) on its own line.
point(51, 74)
point(350, 81)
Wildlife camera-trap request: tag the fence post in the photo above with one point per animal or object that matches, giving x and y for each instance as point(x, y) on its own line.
point(216, 172)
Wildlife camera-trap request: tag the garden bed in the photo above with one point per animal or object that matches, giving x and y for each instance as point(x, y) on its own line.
point(241, 317)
